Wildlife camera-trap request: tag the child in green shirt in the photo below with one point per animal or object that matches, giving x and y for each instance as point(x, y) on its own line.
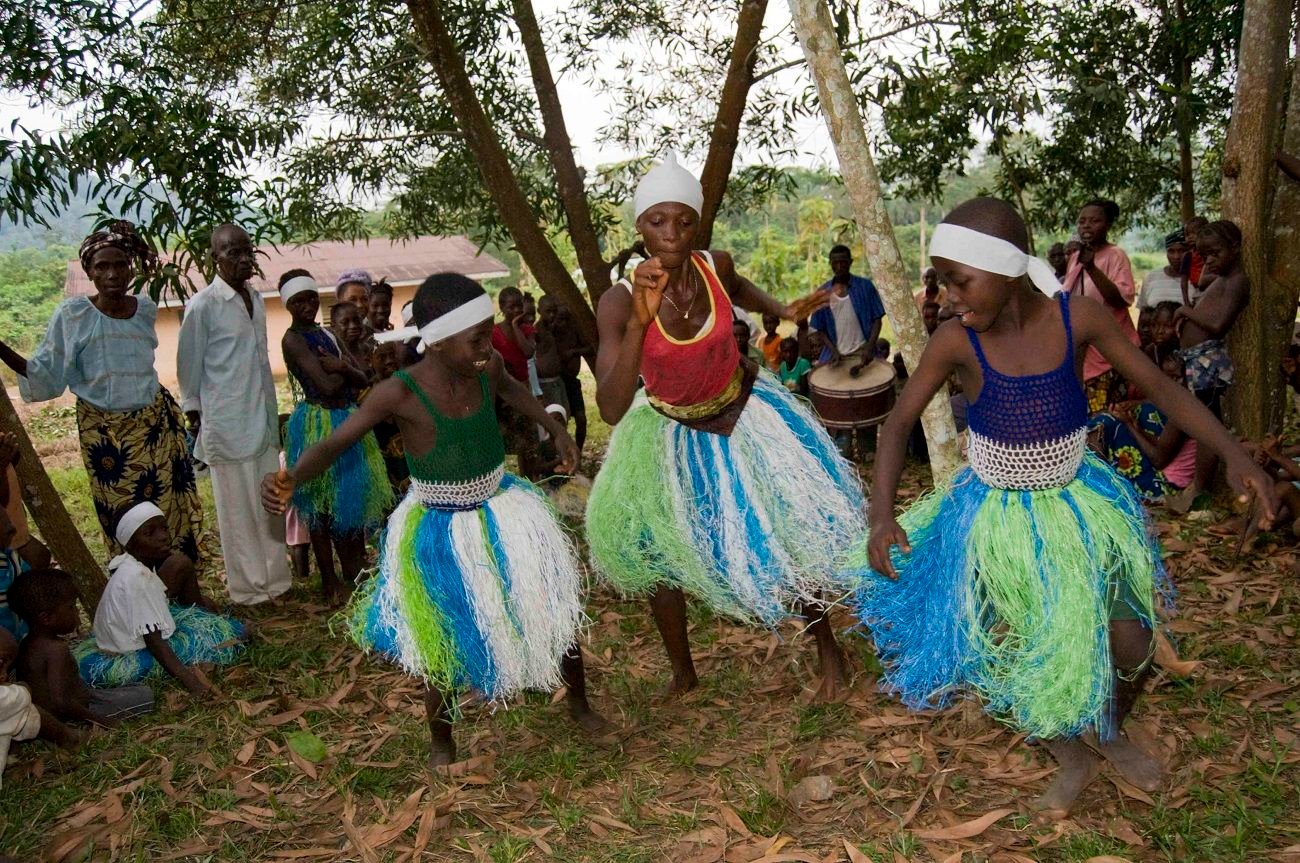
point(794, 369)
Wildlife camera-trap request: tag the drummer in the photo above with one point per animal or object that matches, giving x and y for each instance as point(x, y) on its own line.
point(851, 320)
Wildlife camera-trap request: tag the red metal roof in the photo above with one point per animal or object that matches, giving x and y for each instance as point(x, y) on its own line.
point(401, 262)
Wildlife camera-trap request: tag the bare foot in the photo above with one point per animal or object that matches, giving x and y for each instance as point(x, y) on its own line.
point(681, 684)
point(1130, 761)
point(834, 673)
point(589, 720)
point(441, 754)
point(1079, 766)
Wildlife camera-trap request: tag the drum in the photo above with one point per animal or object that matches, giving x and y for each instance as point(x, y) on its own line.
point(843, 401)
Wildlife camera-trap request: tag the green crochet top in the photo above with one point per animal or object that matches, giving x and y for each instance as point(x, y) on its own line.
point(465, 448)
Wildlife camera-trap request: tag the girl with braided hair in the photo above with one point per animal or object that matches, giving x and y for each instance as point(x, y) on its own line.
point(102, 348)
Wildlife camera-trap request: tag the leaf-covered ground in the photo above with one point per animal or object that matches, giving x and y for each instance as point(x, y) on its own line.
point(317, 753)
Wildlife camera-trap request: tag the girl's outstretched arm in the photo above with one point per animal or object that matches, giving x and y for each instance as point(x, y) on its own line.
point(1095, 326)
point(942, 355)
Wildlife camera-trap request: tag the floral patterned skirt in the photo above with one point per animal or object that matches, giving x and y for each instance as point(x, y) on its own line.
point(139, 455)
point(1115, 443)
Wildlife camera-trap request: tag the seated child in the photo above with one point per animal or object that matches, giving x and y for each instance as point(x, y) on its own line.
point(794, 369)
point(1143, 446)
point(151, 617)
point(47, 600)
point(20, 719)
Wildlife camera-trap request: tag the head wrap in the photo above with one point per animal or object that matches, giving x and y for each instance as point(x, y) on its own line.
point(133, 519)
point(457, 320)
point(407, 314)
point(118, 235)
point(296, 286)
point(1176, 238)
point(991, 254)
point(359, 276)
point(668, 182)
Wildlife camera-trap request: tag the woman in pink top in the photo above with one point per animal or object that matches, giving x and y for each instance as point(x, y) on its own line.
point(1101, 270)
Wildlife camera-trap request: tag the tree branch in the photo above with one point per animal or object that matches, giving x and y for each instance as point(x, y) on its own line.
point(878, 37)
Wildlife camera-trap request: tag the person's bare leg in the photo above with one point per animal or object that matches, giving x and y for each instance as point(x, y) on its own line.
point(322, 547)
point(574, 675)
point(1131, 648)
point(179, 575)
point(668, 605)
point(830, 658)
point(300, 561)
point(442, 749)
point(1079, 766)
point(580, 430)
point(352, 559)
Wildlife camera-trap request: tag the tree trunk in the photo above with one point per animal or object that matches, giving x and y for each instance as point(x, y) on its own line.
point(57, 528)
point(731, 110)
point(1183, 119)
point(493, 163)
point(568, 178)
point(817, 36)
point(1248, 180)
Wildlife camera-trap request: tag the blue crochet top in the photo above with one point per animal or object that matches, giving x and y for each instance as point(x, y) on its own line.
point(1030, 409)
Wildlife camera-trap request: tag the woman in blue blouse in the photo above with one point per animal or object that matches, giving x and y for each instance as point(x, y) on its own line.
point(102, 348)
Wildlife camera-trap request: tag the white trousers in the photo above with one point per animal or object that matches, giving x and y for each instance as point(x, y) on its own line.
point(252, 540)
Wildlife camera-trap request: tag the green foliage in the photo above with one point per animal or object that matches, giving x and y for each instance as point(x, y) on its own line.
point(31, 287)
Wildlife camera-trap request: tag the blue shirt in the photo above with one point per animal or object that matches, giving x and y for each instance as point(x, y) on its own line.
point(107, 362)
point(10, 566)
point(866, 305)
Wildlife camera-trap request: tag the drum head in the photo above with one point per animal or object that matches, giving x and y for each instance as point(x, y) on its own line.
point(875, 376)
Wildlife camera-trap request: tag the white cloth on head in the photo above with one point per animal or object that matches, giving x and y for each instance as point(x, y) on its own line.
point(133, 519)
point(225, 374)
point(457, 320)
point(295, 286)
point(19, 718)
point(668, 182)
point(252, 540)
point(991, 254)
point(134, 604)
point(106, 362)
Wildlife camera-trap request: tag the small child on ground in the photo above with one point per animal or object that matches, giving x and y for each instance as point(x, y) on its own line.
point(794, 369)
point(20, 719)
point(153, 617)
point(47, 600)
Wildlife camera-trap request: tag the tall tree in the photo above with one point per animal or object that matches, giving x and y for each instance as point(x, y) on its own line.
point(1249, 176)
point(816, 31)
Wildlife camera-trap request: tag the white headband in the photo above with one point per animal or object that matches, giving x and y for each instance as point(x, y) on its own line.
point(991, 254)
point(668, 182)
point(398, 335)
point(133, 520)
point(407, 315)
point(296, 286)
point(458, 320)
point(557, 409)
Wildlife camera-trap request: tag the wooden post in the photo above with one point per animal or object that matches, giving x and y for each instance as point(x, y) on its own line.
point(812, 22)
point(51, 517)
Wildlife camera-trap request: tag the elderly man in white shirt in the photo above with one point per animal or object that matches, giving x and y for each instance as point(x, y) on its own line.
point(228, 394)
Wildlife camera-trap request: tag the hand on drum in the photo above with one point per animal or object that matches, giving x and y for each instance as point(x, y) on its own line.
point(649, 280)
point(856, 369)
point(883, 537)
point(805, 306)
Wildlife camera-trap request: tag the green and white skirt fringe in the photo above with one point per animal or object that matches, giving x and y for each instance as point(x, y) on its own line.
point(1008, 593)
point(200, 637)
point(354, 493)
point(752, 523)
point(478, 586)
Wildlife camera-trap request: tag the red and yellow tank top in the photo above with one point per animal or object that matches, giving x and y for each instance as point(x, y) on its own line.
point(696, 370)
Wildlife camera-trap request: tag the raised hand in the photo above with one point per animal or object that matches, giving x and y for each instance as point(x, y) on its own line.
point(803, 307)
point(649, 280)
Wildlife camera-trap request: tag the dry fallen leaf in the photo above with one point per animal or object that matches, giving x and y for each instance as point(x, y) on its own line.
point(966, 829)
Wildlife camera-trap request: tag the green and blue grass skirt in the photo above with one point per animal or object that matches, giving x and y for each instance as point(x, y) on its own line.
point(751, 524)
point(488, 597)
point(1009, 594)
point(354, 493)
point(200, 637)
